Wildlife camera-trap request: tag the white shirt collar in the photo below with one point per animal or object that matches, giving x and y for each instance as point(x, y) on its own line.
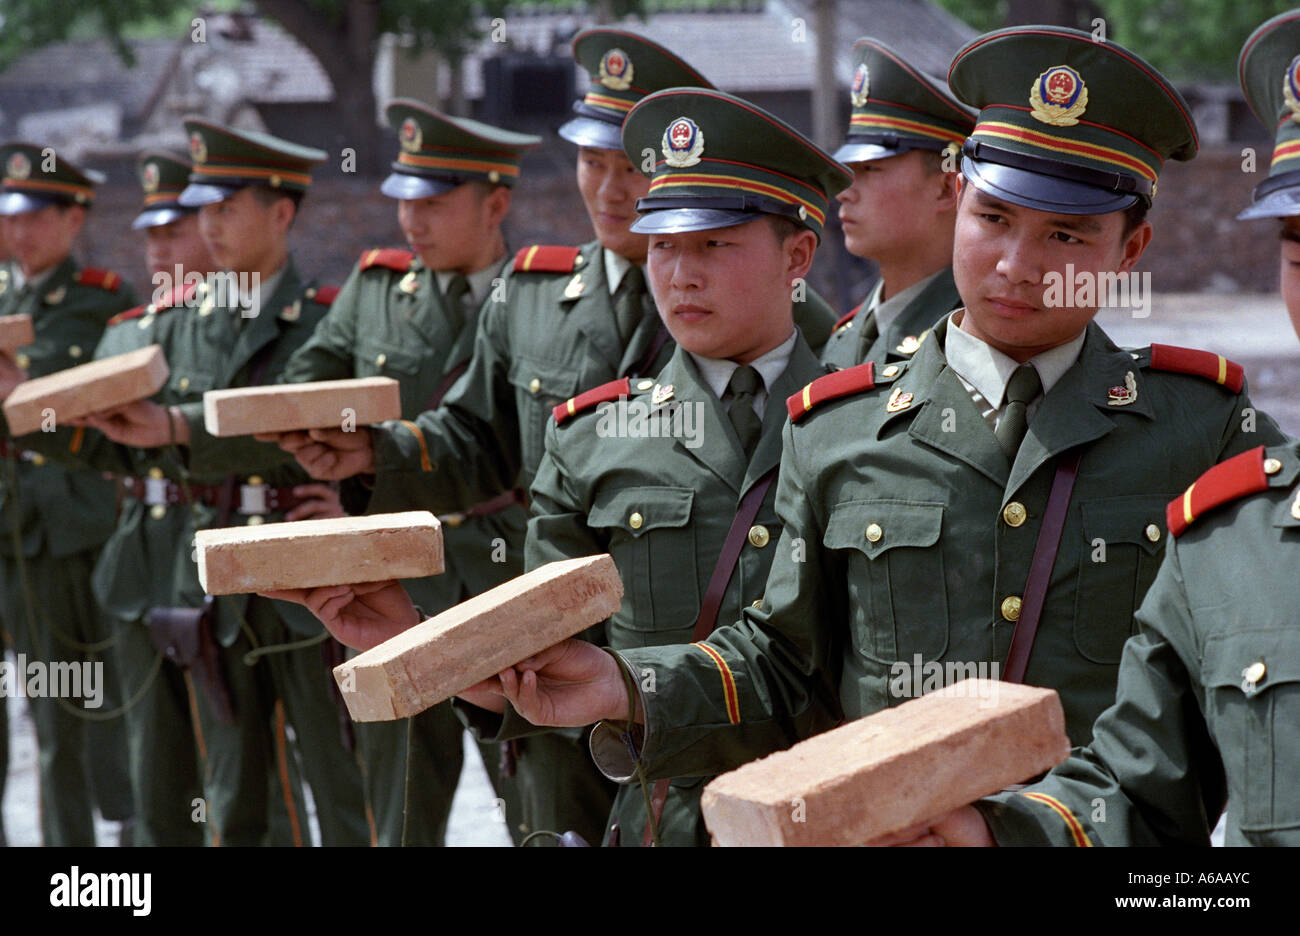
point(887, 312)
point(480, 281)
point(616, 267)
point(988, 369)
point(770, 366)
point(265, 290)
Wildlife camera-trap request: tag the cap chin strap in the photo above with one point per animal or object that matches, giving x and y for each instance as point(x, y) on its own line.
point(893, 141)
point(747, 203)
point(1098, 178)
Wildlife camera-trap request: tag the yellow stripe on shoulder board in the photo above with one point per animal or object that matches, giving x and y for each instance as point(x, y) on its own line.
point(1077, 835)
point(572, 409)
point(528, 260)
point(807, 397)
point(1188, 517)
point(1223, 370)
point(370, 257)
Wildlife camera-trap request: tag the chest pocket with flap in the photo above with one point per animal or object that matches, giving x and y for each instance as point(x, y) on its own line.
point(653, 545)
point(1252, 680)
point(897, 590)
point(1124, 543)
point(540, 386)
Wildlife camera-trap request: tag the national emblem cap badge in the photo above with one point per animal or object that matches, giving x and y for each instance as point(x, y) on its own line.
point(1291, 88)
point(410, 136)
point(1058, 97)
point(860, 86)
point(150, 178)
point(198, 149)
point(19, 166)
point(616, 70)
point(683, 143)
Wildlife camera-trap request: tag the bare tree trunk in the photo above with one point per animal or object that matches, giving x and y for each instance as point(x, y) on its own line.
point(346, 51)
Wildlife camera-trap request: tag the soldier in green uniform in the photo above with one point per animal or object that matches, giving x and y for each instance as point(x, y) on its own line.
point(55, 519)
point(675, 478)
point(1208, 702)
point(914, 500)
point(172, 239)
point(904, 134)
point(411, 315)
point(267, 670)
point(568, 318)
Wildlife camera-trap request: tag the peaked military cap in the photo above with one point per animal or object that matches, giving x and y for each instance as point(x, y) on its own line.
point(1269, 69)
point(36, 176)
point(441, 152)
point(624, 68)
point(1067, 123)
point(163, 177)
point(227, 160)
point(723, 161)
point(897, 108)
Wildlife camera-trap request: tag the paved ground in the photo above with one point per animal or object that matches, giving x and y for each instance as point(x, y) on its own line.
point(1252, 330)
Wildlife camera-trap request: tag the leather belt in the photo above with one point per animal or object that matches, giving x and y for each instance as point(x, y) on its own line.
point(255, 499)
point(485, 508)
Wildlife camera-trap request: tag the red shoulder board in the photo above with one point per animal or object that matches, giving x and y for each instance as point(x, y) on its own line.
point(178, 296)
point(399, 260)
point(841, 383)
point(103, 279)
point(542, 259)
point(323, 295)
point(1205, 364)
point(1228, 480)
point(848, 317)
point(602, 394)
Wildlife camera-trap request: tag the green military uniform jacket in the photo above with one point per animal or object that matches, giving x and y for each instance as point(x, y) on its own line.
point(552, 336)
point(60, 509)
point(149, 560)
point(848, 347)
point(394, 323)
point(1208, 701)
point(662, 508)
point(902, 557)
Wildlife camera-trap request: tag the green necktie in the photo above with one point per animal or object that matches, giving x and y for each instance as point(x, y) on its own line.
point(870, 330)
point(1023, 387)
point(745, 382)
point(628, 303)
point(456, 296)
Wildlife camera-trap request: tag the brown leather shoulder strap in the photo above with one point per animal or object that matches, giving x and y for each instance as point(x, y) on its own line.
point(444, 385)
point(1040, 567)
point(708, 619)
point(647, 360)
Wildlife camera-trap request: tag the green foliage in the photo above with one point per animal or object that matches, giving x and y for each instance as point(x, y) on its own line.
point(982, 15)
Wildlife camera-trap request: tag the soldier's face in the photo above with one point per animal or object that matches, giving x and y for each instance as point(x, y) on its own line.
point(1291, 270)
point(896, 206)
point(244, 232)
point(727, 293)
point(610, 186)
point(42, 239)
point(1013, 267)
point(177, 244)
point(457, 230)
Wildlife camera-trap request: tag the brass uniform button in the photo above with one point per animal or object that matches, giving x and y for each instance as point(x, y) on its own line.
point(1255, 672)
point(157, 511)
point(1272, 466)
point(1011, 608)
point(254, 479)
point(156, 473)
point(381, 360)
point(758, 535)
point(756, 603)
point(874, 532)
point(183, 383)
point(534, 385)
point(1015, 514)
point(255, 520)
point(23, 361)
point(1153, 532)
point(635, 521)
point(38, 459)
point(889, 371)
point(74, 351)
point(644, 384)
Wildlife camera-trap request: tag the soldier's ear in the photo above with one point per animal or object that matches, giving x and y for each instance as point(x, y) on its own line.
point(800, 248)
point(498, 204)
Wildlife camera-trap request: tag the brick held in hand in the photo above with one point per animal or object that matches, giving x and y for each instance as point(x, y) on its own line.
point(16, 331)
point(87, 388)
point(293, 407)
point(313, 553)
point(891, 770)
point(478, 638)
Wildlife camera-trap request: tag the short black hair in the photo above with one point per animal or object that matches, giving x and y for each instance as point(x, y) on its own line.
point(784, 228)
point(269, 196)
point(1134, 215)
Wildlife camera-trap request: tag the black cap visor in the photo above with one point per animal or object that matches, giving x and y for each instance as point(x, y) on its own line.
point(157, 217)
point(406, 187)
point(1043, 192)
